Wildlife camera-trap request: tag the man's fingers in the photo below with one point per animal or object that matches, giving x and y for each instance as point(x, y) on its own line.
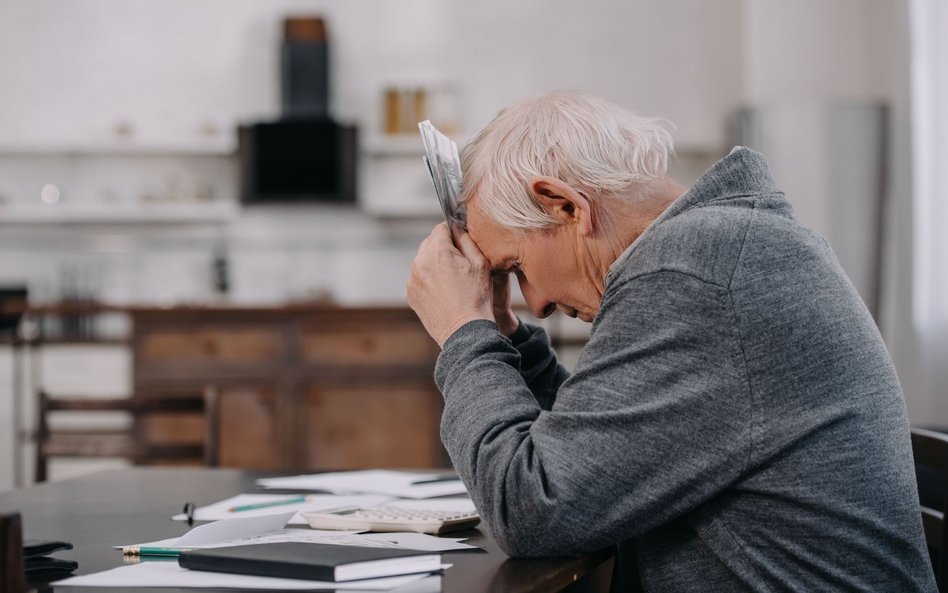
point(441, 233)
point(501, 280)
point(440, 239)
point(456, 232)
point(468, 247)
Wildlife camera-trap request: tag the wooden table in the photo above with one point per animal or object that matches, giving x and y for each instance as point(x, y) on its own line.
point(128, 506)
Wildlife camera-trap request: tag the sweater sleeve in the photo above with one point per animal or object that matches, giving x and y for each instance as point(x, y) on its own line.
point(538, 365)
point(654, 421)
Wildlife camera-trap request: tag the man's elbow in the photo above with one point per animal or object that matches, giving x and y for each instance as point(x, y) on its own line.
point(529, 539)
point(515, 545)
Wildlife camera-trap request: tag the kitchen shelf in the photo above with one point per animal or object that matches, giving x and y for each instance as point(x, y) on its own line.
point(222, 148)
point(139, 214)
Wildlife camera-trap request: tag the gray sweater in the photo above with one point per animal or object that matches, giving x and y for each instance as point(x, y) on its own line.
point(735, 421)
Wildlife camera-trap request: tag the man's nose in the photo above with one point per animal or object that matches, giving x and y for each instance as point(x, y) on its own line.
point(539, 306)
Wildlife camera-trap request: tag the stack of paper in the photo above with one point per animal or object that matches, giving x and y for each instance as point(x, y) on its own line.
point(169, 574)
point(314, 502)
point(271, 530)
point(268, 524)
point(263, 530)
point(383, 482)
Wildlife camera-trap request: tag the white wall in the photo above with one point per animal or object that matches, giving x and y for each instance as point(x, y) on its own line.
point(678, 58)
point(169, 68)
point(928, 96)
point(810, 51)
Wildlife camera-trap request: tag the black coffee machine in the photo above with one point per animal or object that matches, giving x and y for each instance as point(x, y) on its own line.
point(305, 156)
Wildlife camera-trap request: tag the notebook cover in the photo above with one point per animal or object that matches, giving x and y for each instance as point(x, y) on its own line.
point(292, 560)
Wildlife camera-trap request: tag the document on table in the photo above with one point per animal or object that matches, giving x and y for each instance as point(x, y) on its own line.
point(169, 574)
point(404, 541)
point(314, 502)
point(230, 529)
point(383, 482)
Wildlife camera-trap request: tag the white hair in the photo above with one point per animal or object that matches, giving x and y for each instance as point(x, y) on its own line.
point(596, 147)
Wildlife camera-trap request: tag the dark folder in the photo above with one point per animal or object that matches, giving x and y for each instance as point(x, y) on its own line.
point(317, 562)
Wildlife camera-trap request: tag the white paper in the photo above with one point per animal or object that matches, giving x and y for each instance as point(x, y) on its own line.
point(429, 584)
point(389, 483)
point(314, 502)
point(411, 541)
point(231, 529)
point(289, 534)
point(169, 574)
point(403, 541)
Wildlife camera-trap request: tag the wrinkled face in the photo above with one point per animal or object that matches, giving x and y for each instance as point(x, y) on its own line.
point(551, 266)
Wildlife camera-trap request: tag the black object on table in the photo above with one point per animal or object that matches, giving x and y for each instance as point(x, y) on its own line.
point(40, 567)
point(133, 505)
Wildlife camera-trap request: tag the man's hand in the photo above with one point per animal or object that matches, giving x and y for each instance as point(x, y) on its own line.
point(503, 313)
point(449, 286)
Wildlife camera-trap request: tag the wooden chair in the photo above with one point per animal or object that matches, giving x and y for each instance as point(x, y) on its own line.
point(930, 449)
point(12, 571)
point(124, 443)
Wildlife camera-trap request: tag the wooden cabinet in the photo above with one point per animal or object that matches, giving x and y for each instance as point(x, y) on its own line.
point(369, 425)
point(301, 388)
point(209, 343)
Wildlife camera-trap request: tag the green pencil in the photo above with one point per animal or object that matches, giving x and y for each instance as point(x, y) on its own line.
point(149, 551)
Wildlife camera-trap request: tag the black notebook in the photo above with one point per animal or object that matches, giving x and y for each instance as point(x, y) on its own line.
point(317, 562)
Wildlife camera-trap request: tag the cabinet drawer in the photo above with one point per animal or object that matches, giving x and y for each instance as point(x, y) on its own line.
point(394, 346)
point(211, 344)
point(394, 426)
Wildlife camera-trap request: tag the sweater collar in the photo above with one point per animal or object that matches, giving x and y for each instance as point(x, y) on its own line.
point(743, 172)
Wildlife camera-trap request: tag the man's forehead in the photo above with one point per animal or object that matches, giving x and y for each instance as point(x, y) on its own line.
point(498, 244)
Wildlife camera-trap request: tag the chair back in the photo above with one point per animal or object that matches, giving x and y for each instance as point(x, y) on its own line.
point(125, 443)
point(12, 570)
point(930, 450)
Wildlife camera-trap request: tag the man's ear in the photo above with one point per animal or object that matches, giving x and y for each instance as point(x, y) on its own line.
point(563, 202)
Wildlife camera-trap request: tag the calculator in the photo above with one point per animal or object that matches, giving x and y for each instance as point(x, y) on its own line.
point(392, 519)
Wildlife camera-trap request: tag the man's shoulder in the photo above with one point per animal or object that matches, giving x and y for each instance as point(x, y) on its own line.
point(705, 240)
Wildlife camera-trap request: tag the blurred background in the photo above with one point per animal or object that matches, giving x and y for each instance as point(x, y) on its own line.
point(215, 203)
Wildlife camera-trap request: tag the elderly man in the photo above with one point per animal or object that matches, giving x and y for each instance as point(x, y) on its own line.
point(734, 422)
